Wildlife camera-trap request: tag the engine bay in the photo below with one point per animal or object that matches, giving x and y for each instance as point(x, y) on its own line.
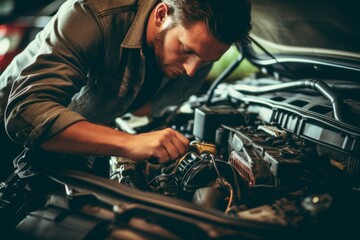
point(284, 154)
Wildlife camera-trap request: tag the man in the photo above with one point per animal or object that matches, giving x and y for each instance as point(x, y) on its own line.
point(97, 60)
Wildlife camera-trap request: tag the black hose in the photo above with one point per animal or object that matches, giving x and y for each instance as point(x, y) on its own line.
point(315, 84)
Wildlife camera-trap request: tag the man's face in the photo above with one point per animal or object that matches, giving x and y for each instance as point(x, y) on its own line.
point(182, 51)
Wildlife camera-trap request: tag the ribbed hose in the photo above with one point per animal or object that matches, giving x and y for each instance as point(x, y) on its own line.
point(315, 84)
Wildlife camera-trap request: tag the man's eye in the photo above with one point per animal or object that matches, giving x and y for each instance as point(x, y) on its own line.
point(186, 50)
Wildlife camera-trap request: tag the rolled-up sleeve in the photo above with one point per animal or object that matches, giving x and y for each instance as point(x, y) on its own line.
point(53, 67)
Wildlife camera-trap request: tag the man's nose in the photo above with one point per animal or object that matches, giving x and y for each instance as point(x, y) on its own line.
point(191, 64)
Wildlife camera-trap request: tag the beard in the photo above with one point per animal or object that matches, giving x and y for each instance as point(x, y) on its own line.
point(160, 53)
point(159, 50)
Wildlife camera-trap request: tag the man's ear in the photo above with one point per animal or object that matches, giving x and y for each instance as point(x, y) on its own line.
point(161, 14)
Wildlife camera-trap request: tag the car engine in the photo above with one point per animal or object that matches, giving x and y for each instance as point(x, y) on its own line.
point(268, 151)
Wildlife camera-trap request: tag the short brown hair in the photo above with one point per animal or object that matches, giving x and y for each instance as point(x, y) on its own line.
point(228, 20)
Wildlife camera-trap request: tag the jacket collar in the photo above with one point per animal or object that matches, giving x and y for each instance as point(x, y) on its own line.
point(134, 36)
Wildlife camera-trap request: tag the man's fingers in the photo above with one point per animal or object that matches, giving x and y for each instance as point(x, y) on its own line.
point(161, 155)
point(178, 145)
point(180, 142)
point(185, 142)
point(173, 149)
point(173, 143)
point(163, 145)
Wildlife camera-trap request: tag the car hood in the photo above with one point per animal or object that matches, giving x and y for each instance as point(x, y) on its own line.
point(305, 31)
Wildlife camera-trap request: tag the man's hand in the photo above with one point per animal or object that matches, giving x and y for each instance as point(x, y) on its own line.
point(163, 145)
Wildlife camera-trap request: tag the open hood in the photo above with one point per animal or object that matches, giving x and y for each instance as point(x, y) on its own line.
point(305, 32)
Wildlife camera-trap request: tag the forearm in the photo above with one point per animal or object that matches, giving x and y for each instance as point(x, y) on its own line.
point(85, 138)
